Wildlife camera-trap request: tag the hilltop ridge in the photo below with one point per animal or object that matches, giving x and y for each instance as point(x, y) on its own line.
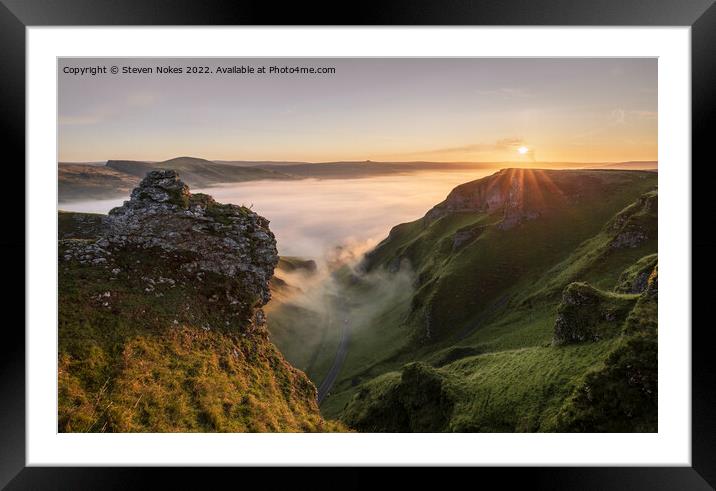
point(78, 181)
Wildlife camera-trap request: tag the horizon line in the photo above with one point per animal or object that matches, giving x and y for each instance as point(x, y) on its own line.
point(298, 162)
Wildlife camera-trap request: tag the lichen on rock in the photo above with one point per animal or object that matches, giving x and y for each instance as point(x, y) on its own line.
point(194, 233)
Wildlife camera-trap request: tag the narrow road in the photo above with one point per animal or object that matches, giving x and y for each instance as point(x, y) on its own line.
point(341, 354)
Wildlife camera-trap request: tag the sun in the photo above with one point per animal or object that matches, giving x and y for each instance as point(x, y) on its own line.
point(523, 150)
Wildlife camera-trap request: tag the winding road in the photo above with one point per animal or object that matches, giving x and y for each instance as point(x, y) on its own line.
point(341, 353)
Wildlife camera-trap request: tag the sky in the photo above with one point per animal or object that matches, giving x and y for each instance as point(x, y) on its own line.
point(381, 109)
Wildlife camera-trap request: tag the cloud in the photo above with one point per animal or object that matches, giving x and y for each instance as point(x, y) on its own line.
point(503, 144)
point(619, 116)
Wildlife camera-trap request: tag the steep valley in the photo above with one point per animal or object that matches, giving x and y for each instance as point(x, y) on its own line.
point(510, 306)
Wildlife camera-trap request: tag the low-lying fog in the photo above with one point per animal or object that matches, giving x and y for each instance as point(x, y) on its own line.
point(310, 217)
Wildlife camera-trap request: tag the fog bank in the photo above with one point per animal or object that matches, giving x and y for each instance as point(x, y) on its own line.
point(310, 217)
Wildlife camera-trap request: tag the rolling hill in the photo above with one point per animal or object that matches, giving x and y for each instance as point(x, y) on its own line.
point(89, 181)
point(78, 181)
point(118, 177)
point(198, 172)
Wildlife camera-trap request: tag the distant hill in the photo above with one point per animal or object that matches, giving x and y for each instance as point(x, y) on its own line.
point(259, 163)
point(90, 181)
point(198, 172)
point(369, 168)
point(634, 165)
point(117, 177)
point(347, 170)
point(79, 181)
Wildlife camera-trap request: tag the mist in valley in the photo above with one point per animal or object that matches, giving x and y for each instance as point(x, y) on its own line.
point(332, 222)
point(311, 217)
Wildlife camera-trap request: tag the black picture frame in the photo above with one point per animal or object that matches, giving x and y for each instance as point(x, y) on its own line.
point(16, 15)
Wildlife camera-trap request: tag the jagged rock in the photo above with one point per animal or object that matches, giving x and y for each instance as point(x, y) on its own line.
point(160, 186)
point(636, 224)
point(202, 235)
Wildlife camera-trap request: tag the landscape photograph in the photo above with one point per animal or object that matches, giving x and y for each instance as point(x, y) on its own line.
point(380, 245)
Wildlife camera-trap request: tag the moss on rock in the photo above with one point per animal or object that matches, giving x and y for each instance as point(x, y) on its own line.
point(588, 314)
point(634, 278)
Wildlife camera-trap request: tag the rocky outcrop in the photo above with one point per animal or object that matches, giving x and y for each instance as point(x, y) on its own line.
point(622, 394)
point(199, 235)
point(635, 278)
point(636, 224)
point(588, 314)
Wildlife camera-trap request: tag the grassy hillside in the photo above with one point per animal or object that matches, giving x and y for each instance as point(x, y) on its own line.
point(497, 324)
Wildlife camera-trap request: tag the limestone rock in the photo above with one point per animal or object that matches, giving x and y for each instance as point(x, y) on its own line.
point(188, 236)
point(519, 194)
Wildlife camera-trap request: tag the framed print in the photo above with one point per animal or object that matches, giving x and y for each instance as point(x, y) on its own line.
point(421, 236)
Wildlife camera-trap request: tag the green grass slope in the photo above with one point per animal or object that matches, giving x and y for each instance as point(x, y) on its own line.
point(467, 262)
point(511, 310)
point(605, 384)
